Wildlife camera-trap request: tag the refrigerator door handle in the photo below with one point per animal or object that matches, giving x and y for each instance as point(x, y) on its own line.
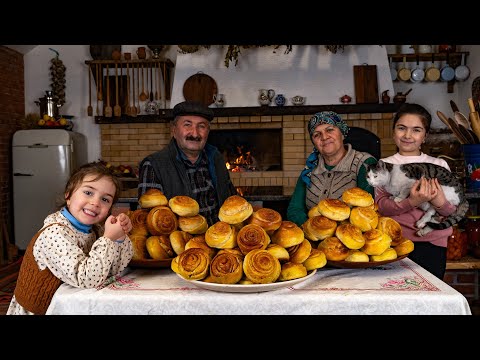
point(20, 174)
point(37, 146)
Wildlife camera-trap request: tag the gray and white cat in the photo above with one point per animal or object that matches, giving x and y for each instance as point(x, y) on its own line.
point(398, 180)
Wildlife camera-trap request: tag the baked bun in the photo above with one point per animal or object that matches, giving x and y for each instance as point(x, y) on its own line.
point(138, 219)
point(139, 244)
point(251, 237)
point(357, 197)
point(389, 254)
point(279, 252)
point(269, 219)
point(225, 268)
point(314, 211)
point(261, 267)
point(193, 264)
point(174, 264)
point(161, 220)
point(159, 247)
point(235, 251)
point(315, 260)
point(292, 271)
point(184, 205)
point(194, 225)
point(376, 242)
point(357, 256)
point(319, 228)
point(364, 218)
point(299, 253)
point(199, 242)
point(152, 198)
point(178, 239)
point(334, 209)
point(234, 210)
point(350, 235)
point(288, 234)
point(390, 227)
point(221, 236)
point(333, 249)
point(405, 246)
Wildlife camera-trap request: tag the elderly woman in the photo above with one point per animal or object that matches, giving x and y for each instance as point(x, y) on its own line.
point(331, 168)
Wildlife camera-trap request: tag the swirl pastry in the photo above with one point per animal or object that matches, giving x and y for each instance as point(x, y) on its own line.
point(161, 220)
point(261, 267)
point(226, 268)
point(405, 246)
point(315, 260)
point(193, 264)
point(159, 247)
point(376, 242)
point(389, 254)
point(139, 242)
point(269, 219)
point(184, 205)
point(139, 221)
point(251, 237)
point(365, 218)
point(357, 256)
point(152, 198)
point(299, 253)
point(392, 228)
point(221, 236)
point(319, 228)
point(235, 209)
point(314, 211)
point(350, 235)
point(199, 242)
point(288, 234)
point(357, 197)
point(292, 271)
point(334, 209)
point(178, 239)
point(194, 225)
point(334, 249)
point(279, 252)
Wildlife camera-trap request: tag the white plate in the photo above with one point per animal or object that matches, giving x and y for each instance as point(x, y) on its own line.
point(237, 288)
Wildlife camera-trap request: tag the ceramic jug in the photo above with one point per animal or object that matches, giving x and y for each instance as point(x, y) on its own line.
point(219, 100)
point(280, 100)
point(266, 96)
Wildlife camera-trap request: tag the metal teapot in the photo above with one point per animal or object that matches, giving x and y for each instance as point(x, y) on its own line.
point(401, 98)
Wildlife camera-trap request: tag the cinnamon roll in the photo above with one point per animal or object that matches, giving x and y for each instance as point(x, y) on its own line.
point(405, 246)
point(251, 237)
point(261, 267)
point(139, 221)
point(269, 219)
point(161, 220)
point(365, 218)
point(221, 236)
point(152, 198)
point(193, 264)
point(334, 209)
point(235, 209)
point(178, 239)
point(319, 228)
point(299, 253)
point(199, 242)
point(357, 197)
point(184, 205)
point(376, 242)
point(334, 249)
point(315, 260)
point(226, 268)
point(139, 242)
point(288, 234)
point(350, 235)
point(279, 252)
point(292, 271)
point(194, 225)
point(159, 247)
point(392, 228)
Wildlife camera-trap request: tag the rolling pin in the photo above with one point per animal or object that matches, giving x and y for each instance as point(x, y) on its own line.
point(474, 117)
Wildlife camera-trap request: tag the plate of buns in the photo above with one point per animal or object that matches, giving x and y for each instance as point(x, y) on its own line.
point(249, 288)
point(362, 264)
point(150, 263)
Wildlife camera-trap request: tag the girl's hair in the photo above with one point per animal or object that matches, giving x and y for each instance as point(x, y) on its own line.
point(414, 109)
point(97, 169)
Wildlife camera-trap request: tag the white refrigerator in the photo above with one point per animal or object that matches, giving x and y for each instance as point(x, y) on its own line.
point(42, 162)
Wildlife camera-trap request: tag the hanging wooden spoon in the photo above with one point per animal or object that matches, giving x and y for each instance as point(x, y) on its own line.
point(108, 108)
point(133, 111)
point(156, 82)
point(128, 109)
point(97, 85)
point(138, 90)
point(90, 108)
point(143, 96)
point(117, 109)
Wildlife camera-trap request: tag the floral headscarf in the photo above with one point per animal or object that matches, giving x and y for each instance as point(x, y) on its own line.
point(327, 117)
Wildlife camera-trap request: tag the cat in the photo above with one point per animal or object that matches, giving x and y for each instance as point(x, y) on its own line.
point(397, 179)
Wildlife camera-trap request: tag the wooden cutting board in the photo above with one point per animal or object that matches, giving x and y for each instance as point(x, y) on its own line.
point(366, 85)
point(200, 87)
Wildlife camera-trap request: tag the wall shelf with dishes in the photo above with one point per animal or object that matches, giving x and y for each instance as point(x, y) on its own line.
point(453, 59)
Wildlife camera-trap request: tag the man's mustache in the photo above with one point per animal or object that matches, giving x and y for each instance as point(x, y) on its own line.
point(193, 138)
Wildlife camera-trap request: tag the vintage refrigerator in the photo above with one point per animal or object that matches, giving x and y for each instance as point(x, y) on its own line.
point(42, 162)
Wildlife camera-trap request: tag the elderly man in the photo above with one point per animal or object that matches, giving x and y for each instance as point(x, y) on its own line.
point(188, 165)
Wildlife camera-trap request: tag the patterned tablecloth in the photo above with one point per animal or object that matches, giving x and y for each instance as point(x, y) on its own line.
point(401, 287)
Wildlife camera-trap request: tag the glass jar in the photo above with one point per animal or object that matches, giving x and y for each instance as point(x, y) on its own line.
point(472, 228)
point(457, 244)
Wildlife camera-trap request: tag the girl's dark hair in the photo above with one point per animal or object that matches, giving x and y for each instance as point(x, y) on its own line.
point(99, 170)
point(414, 109)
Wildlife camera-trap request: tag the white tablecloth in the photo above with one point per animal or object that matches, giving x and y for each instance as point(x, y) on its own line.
point(402, 287)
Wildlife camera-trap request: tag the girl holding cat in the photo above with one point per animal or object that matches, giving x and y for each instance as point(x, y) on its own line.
point(411, 125)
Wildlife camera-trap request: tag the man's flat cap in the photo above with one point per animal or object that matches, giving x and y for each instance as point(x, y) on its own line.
point(192, 108)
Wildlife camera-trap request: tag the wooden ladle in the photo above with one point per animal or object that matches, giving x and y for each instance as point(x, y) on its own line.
point(117, 109)
point(108, 108)
point(90, 108)
point(143, 96)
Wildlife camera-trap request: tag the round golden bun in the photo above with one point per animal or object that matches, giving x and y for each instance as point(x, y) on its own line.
point(319, 228)
point(193, 264)
point(314, 211)
point(269, 219)
point(178, 239)
point(357, 256)
point(184, 205)
point(333, 249)
point(261, 267)
point(292, 271)
point(334, 209)
point(221, 236)
point(299, 253)
point(357, 197)
point(159, 247)
point(376, 242)
point(194, 225)
point(350, 235)
point(198, 241)
point(390, 227)
point(235, 251)
point(252, 237)
point(152, 198)
point(405, 246)
point(225, 268)
point(138, 219)
point(279, 252)
point(161, 220)
point(235, 209)
point(364, 218)
point(139, 243)
point(288, 234)
point(389, 254)
point(315, 260)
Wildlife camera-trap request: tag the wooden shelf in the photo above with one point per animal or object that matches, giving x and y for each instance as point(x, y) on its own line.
point(466, 263)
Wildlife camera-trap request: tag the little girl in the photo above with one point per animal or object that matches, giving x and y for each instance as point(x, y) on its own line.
point(67, 249)
point(410, 128)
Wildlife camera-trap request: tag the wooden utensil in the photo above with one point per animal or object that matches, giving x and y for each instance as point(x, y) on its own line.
point(89, 108)
point(97, 85)
point(138, 90)
point(156, 82)
point(476, 93)
point(133, 111)
point(444, 119)
point(151, 84)
point(117, 109)
point(108, 108)
point(128, 109)
point(461, 119)
point(143, 96)
point(199, 87)
point(456, 131)
point(454, 106)
point(474, 117)
point(466, 134)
